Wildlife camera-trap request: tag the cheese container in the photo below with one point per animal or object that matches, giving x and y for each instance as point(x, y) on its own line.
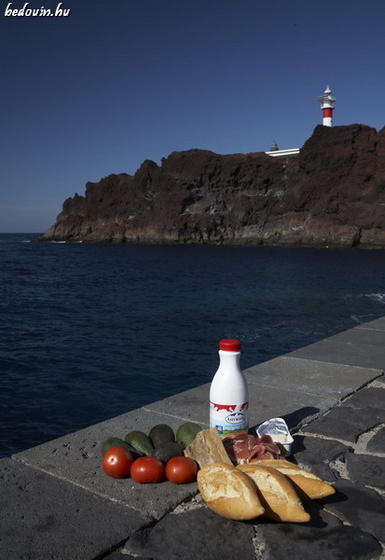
point(277, 429)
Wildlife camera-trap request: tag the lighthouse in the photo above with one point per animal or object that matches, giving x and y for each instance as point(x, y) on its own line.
point(327, 106)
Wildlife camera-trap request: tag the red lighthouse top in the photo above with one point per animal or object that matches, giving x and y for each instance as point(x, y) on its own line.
point(327, 105)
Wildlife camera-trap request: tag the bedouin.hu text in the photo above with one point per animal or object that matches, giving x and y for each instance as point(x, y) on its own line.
point(27, 11)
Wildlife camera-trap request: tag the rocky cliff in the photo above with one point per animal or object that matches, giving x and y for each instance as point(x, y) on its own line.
point(332, 193)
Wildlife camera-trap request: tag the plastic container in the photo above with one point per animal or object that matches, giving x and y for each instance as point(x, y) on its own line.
point(229, 399)
point(279, 432)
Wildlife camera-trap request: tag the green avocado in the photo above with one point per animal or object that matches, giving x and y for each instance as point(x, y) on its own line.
point(140, 441)
point(115, 441)
point(161, 433)
point(186, 433)
point(112, 442)
point(168, 450)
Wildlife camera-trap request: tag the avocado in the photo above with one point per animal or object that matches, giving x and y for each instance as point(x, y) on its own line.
point(168, 450)
point(112, 442)
point(140, 441)
point(115, 441)
point(186, 433)
point(161, 433)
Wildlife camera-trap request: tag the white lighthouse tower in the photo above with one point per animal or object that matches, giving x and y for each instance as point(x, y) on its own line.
point(327, 106)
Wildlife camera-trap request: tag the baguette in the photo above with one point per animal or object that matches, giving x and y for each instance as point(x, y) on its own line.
point(207, 449)
point(229, 492)
point(277, 495)
point(307, 485)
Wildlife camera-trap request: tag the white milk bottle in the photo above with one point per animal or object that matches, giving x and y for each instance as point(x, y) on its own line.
point(229, 399)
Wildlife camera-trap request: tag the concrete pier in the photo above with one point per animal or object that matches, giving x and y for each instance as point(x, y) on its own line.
point(57, 504)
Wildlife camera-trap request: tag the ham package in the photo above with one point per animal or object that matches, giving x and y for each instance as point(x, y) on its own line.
point(244, 448)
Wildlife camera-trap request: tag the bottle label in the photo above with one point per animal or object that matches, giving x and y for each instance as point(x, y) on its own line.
point(229, 418)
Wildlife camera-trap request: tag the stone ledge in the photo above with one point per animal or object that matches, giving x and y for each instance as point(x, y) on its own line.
point(44, 517)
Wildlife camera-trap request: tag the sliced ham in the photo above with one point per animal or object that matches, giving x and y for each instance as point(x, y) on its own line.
point(245, 448)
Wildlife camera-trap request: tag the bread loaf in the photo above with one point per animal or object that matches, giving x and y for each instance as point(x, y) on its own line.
point(277, 495)
point(207, 449)
point(307, 485)
point(229, 492)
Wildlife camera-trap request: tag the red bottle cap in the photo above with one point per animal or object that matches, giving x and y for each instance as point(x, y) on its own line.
point(230, 345)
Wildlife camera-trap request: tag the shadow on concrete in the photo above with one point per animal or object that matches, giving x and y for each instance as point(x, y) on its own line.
point(297, 418)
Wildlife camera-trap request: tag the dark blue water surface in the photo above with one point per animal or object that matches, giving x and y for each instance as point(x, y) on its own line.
point(88, 332)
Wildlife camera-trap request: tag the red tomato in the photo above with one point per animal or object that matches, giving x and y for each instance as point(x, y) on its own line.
point(117, 461)
point(147, 469)
point(181, 470)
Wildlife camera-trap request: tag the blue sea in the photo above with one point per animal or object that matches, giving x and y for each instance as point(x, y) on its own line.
point(90, 331)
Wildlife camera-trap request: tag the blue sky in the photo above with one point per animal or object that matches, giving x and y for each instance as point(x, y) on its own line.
point(120, 81)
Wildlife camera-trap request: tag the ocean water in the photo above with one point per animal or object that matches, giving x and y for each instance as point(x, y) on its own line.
point(88, 332)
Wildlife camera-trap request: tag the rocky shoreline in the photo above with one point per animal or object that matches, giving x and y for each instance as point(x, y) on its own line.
point(332, 194)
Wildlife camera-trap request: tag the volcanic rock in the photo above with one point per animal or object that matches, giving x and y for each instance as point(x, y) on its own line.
point(331, 194)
